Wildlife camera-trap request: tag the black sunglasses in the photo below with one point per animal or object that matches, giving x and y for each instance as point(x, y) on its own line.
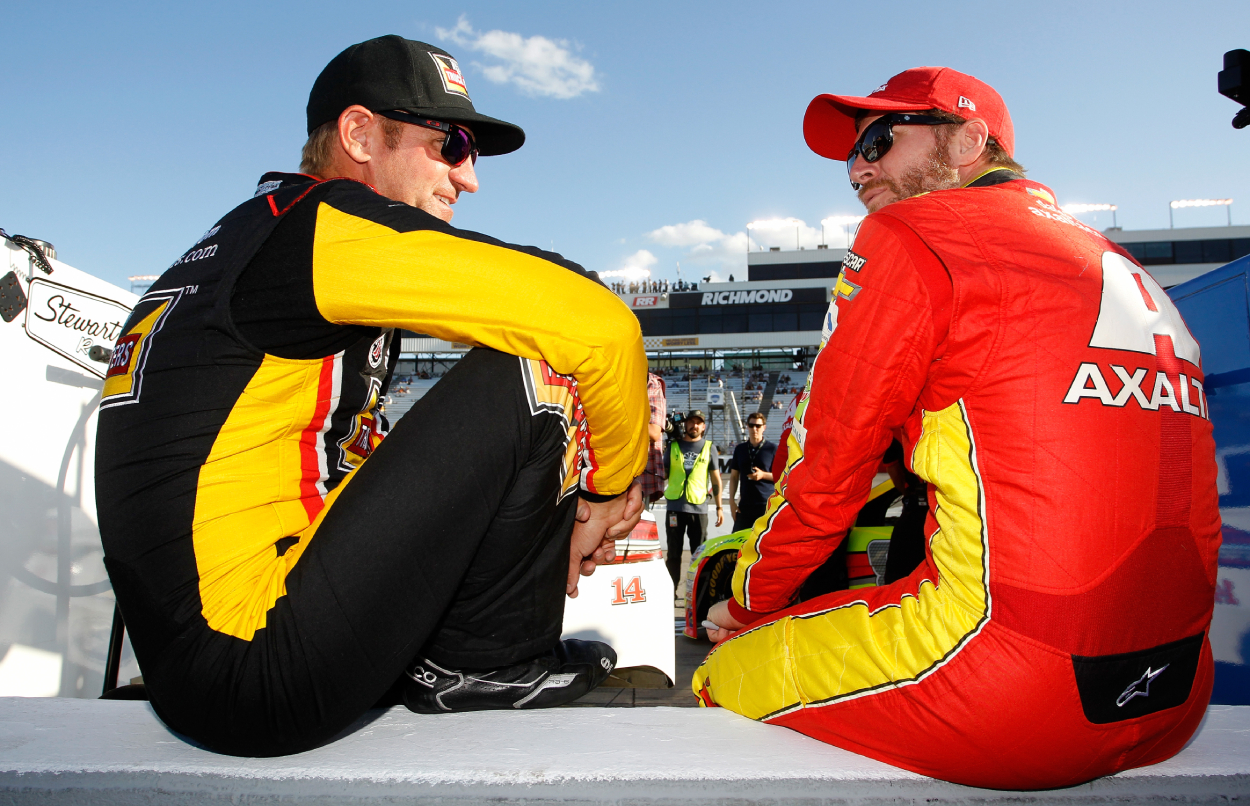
point(457, 147)
point(877, 139)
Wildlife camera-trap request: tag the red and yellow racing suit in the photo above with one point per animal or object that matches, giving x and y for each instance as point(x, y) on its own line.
point(1049, 393)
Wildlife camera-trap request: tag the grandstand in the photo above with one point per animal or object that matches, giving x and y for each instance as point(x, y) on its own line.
point(745, 392)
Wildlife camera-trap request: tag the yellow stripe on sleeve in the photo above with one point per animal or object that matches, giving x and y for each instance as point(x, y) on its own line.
point(851, 651)
point(482, 294)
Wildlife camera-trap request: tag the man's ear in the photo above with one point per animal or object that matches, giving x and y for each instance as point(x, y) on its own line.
point(357, 129)
point(970, 142)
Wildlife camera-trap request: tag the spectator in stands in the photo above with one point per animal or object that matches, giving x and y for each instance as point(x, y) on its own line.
point(751, 466)
point(282, 562)
point(653, 476)
point(693, 468)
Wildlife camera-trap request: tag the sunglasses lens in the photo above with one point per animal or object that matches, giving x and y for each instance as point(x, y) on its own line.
point(876, 141)
point(458, 146)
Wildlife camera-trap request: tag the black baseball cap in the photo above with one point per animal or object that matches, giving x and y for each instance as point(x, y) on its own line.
point(391, 72)
point(696, 413)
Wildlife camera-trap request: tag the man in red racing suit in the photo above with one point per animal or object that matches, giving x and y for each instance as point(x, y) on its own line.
point(1048, 392)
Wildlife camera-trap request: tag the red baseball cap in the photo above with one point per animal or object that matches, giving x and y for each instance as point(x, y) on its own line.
point(829, 125)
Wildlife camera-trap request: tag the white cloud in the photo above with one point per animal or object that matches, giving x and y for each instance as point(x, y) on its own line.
point(692, 233)
point(704, 245)
point(537, 65)
point(634, 267)
point(705, 250)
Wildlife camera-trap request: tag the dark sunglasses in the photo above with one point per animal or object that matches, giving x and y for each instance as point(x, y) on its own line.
point(457, 147)
point(877, 139)
point(755, 425)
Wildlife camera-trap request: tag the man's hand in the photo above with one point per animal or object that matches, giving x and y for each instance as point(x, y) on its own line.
point(733, 509)
point(720, 514)
point(759, 474)
point(729, 626)
point(596, 531)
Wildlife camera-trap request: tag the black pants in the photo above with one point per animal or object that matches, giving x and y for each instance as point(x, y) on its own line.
point(908, 539)
point(747, 516)
point(678, 525)
point(449, 542)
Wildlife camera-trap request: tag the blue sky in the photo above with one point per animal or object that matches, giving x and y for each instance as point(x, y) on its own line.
point(656, 130)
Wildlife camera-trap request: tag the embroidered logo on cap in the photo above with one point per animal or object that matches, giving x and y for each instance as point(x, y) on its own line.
point(964, 103)
point(449, 71)
point(880, 89)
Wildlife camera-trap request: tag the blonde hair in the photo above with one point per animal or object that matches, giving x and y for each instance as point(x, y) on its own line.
point(318, 153)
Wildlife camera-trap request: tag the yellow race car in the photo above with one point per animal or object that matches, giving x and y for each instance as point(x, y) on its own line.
point(858, 563)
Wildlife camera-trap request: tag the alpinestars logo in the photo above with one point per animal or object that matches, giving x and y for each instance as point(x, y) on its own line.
point(1141, 686)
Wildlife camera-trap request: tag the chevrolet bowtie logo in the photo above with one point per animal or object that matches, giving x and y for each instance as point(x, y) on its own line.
point(845, 288)
point(1140, 687)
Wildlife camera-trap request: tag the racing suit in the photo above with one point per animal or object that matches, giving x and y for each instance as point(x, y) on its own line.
point(1047, 390)
point(277, 556)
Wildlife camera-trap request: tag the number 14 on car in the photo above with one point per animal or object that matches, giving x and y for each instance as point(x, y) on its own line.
point(631, 593)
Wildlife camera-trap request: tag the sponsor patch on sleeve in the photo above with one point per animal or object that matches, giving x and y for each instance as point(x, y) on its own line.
point(853, 261)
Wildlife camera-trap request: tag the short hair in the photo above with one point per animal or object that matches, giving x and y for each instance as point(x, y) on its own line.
point(995, 154)
point(318, 152)
point(757, 415)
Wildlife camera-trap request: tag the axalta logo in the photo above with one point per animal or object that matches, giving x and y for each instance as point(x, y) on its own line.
point(645, 302)
point(747, 297)
point(964, 103)
point(1136, 316)
point(1091, 382)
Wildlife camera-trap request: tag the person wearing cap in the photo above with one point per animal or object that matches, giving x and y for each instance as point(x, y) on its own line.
point(1050, 396)
point(693, 469)
point(281, 560)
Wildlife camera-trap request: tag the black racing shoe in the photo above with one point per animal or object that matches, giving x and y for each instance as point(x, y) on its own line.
point(554, 678)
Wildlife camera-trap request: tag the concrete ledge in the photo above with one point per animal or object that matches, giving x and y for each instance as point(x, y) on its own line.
point(55, 751)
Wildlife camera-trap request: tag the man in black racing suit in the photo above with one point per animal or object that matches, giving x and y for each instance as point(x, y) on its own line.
point(280, 560)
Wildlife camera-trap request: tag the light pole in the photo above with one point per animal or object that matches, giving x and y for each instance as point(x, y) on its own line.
point(1076, 209)
point(844, 221)
point(1179, 203)
point(775, 223)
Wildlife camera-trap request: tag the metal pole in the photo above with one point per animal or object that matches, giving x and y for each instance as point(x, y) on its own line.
point(1229, 209)
point(113, 663)
point(1114, 223)
point(1170, 224)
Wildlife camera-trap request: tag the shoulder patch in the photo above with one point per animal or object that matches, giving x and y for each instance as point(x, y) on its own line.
point(853, 261)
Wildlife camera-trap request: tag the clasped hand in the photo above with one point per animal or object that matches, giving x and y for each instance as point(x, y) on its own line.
point(598, 526)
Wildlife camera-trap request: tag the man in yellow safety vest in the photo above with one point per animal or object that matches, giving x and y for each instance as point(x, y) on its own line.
point(691, 463)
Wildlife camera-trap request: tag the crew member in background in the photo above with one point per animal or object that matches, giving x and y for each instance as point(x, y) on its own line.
point(751, 467)
point(653, 476)
point(1048, 392)
point(279, 559)
point(693, 469)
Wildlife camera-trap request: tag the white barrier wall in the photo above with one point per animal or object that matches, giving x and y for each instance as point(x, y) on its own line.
point(56, 604)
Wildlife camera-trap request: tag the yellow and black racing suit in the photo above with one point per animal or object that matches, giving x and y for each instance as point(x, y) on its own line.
point(277, 556)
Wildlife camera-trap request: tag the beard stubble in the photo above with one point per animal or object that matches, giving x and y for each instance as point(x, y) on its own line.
point(934, 173)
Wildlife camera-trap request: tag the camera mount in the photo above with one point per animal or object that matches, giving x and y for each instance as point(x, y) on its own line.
point(1232, 84)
